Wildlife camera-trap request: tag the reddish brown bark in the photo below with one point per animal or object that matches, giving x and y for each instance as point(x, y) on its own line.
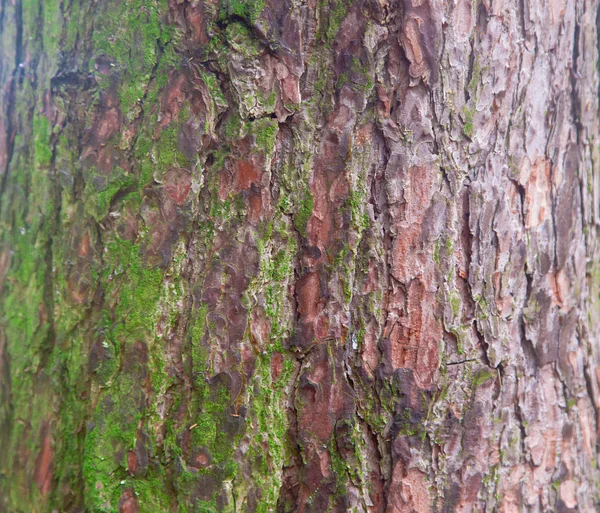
point(299, 257)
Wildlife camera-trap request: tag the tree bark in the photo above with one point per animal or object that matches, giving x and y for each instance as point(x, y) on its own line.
point(274, 255)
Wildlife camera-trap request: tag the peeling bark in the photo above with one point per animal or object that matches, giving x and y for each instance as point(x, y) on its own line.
point(262, 255)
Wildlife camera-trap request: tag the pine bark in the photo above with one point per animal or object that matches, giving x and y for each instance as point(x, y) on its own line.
point(277, 255)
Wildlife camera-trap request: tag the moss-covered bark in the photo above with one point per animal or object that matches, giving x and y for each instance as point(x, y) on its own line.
point(266, 255)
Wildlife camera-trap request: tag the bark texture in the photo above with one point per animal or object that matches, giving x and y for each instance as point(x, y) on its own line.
point(299, 256)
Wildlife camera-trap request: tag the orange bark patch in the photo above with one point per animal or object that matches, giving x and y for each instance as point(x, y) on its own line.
point(413, 329)
point(340, 118)
point(568, 493)
point(44, 462)
point(240, 175)
point(132, 463)
point(108, 125)
point(317, 458)
point(370, 354)
point(536, 180)
point(202, 459)
point(419, 39)
point(42, 314)
point(557, 12)
point(408, 491)
point(316, 417)
point(259, 328)
point(173, 100)
point(307, 292)
point(276, 366)
point(415, 335)
point(364, 134)
point(408, 261)
point(255, 208)
point(412, 45)
point(384, 102)
point(320, 222)
point(128, 502)
point(83, 249)
point(197, 23)
point(415, 308)
point(247, 173)
point(503, 302)
point(288, 84)
point(77, 288)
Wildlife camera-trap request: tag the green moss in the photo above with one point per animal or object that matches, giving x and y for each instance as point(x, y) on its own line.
point(167, 153)
point(355, 203)
point(323, 76)
point(212, 406)
point(41, 140)
point(98, 202)
point(265, 133)
point(342, 80)
point(214, 88)
point(130, 33)
point(269, 449)
point(133, 291)
point(151, 492)
point(247, 9)
point(304, 213)
point(337, 12)
point(405, 424)
point(233, 126)
point(482, 310)
point(276, 270)
point(469, 112)
point(475, 78)
point(72, 27)
point(26, 233)
point(106, 444)
point(492, 478)
point(455, 303)
point(436, 252)
point(359, 76)
point(482, 376)
point(443, 393)
point(240, 39)
point(468, 116)
point(481, 301)
point(339, 467)
point(137, 287)
point(199, 352)
point(459, 333)
point(45, 266)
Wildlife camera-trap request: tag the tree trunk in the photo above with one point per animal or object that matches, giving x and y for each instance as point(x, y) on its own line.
point(272, 255)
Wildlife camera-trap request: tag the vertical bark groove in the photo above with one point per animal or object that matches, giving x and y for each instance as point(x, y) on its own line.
point(275, 255)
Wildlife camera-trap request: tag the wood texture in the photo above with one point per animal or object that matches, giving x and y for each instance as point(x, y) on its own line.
point(277, 255)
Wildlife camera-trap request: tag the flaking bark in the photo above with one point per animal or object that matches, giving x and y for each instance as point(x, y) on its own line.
point(272, 255)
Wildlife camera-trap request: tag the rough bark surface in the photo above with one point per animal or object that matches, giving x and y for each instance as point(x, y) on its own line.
point(299, 256)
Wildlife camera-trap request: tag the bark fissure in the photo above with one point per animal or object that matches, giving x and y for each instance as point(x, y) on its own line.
point(267, 256)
